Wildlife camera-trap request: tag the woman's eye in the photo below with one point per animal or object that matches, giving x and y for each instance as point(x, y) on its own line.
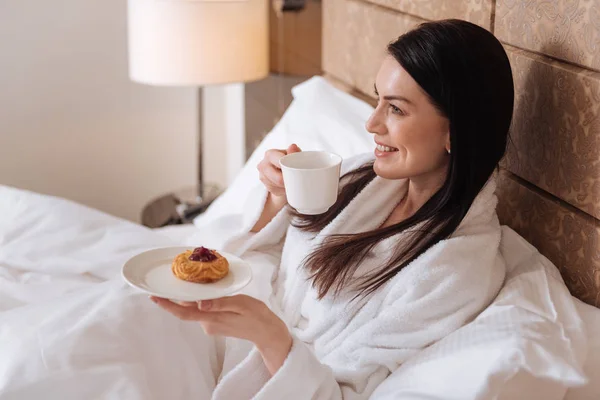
point(396, 110)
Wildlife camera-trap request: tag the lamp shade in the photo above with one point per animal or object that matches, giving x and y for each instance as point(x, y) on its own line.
point(198, 42)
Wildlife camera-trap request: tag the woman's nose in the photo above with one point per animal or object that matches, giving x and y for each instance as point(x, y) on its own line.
point(375, 124)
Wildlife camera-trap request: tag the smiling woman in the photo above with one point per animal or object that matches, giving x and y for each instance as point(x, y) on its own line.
point(410, 251)
point(441, 124)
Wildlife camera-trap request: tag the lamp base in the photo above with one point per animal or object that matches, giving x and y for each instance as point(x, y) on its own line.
point(179, 207)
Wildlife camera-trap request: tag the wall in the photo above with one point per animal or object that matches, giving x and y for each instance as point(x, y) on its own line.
point(295, 39)
point(71, 122)
point(549, 189)
point(266, 101)
point(295, 55)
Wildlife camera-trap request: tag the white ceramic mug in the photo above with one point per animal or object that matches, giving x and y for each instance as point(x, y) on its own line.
point(311, 180)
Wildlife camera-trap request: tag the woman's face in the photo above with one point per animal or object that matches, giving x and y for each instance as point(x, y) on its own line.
point(412, 137)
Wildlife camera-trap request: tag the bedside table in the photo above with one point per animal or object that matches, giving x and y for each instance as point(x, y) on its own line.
point(179, 207)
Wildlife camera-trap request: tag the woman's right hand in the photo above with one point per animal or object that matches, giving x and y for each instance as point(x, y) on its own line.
point(271, 176)
point(270, 170)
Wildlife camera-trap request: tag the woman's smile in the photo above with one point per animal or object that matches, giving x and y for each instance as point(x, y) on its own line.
point(382, 150)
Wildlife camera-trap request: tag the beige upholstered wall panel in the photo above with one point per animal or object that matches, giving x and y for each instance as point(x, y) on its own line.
point(566, 29)
point(295, 41)
point(355, 37)
point(476, 11)
point(570, 239)
point(556, 129)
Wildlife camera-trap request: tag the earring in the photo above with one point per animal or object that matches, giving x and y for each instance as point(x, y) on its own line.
point(448, 151)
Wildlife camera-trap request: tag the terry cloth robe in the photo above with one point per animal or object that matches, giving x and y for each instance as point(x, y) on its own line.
point(344, 350)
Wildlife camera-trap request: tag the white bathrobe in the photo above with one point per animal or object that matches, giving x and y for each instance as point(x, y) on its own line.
point(342, 350)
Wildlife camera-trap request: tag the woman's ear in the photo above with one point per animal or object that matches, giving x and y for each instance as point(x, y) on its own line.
point(448, 148)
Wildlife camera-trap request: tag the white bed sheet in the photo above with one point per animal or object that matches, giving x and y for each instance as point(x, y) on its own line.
point(590, 391)
point(70, 328)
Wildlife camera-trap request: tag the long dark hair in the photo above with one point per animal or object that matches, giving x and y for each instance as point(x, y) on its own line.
point(465, 72)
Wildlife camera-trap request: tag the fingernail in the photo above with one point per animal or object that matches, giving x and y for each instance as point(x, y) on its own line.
point(154, 299)
point(205, 304)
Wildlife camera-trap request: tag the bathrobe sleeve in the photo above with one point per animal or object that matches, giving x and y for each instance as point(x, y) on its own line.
point(272, 235)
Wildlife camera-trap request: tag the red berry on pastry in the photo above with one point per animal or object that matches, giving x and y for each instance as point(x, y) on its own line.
point(202, 254)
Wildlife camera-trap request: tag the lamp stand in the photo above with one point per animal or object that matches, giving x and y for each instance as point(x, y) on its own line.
point(221, 149)
point(223, 133)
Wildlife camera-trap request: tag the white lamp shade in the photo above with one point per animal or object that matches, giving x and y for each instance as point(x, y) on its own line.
point(198, 42)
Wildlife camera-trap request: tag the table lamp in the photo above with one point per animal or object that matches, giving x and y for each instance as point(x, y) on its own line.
point(216, 44)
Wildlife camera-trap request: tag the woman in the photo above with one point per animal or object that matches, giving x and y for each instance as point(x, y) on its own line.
point(409, 252)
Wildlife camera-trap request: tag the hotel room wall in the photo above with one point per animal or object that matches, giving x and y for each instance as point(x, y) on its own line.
point(71, 122)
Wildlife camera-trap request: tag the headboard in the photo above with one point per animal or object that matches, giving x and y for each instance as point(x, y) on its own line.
point(549, 186)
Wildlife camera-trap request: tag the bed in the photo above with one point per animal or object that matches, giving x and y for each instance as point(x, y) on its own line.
point(59, 259)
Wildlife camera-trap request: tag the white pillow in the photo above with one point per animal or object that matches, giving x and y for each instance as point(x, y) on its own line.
point(321, 117)
point(591, 318)
point(528, 344)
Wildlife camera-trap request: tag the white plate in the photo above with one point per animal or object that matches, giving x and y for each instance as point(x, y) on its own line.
point(150, 272)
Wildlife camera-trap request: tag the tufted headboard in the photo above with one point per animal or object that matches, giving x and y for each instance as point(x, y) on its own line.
point(550, 182)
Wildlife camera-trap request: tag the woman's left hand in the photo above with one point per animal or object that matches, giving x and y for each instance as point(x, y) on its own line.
point(242, 317)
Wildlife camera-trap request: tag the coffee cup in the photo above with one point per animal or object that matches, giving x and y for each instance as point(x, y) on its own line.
point(311, 180)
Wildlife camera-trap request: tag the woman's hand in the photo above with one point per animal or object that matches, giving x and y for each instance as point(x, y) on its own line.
point(270, 171)
point(270, 175)
point(239, 316)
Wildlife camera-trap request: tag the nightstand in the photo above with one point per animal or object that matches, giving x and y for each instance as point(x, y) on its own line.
point(179, 207)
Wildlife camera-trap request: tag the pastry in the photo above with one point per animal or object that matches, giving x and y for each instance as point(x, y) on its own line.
point(200, 265)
